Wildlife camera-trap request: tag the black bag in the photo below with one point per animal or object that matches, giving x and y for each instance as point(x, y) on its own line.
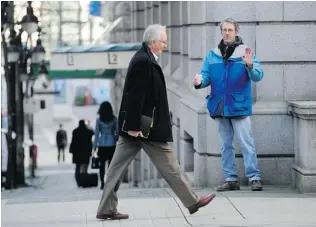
point(87, 180)
point(146, 123)
point(95, 163)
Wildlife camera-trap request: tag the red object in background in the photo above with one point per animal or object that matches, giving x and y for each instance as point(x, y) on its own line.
point(35, 150)
point(86, 98)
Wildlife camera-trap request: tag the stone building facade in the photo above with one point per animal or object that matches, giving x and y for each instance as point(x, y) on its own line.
point(283, 37)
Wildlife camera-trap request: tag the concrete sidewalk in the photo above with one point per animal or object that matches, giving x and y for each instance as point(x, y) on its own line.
point(55, 200)
point(58, 202)
point(163, 212)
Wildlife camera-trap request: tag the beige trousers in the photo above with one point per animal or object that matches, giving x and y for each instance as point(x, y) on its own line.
point(162, 156)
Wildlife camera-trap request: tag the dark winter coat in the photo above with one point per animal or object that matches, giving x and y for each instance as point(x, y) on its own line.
point(144, 90)
point(61, 138)
point(81, 144)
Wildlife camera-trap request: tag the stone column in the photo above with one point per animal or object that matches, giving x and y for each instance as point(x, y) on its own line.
point(304, 167)
point(144, 159)
point(148, 166)
point(176, 140)
point(135, 171)
point(174, 32)
point(163, 20)
point(140, 22)
point(148, 13)
point(186, 154)
point(155, 12)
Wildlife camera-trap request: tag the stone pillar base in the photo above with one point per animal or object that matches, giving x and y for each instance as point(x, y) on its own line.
point(304, 168)
point(186, 155)
point(304, 180)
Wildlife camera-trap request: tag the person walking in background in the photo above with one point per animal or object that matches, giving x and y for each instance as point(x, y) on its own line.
point(106, 135)
point(61, 142)
point(81, 148)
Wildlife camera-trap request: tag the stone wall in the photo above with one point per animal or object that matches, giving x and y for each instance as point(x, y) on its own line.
point(282, 35)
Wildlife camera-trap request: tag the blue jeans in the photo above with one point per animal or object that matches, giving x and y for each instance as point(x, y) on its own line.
point(241, 128)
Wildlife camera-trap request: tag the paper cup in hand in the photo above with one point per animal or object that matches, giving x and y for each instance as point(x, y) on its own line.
point(197, 80)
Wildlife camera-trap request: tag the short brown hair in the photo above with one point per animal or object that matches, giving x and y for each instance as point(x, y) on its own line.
point(231, 21)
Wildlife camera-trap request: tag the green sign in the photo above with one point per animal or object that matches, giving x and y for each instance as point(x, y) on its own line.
point(82, 74)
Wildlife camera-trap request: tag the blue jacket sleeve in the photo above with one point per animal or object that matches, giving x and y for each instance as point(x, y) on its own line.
point(206, 73)
point(96, 134)
point(256, 73)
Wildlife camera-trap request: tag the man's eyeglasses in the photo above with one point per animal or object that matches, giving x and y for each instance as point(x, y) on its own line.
point(228, 30)
point(164, 42)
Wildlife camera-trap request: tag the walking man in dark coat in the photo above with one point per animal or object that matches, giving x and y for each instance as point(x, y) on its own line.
point(61, 141)
point(145, 96)
point(81, 148)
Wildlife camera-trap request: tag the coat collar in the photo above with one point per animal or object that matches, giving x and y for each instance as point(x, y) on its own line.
point(146, 49)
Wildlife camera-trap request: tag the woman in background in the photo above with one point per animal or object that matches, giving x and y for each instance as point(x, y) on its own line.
point(106, 135)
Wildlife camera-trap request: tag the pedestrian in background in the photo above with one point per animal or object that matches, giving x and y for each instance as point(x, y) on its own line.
point(81, 148)
point(61, 142)
point(105, 137)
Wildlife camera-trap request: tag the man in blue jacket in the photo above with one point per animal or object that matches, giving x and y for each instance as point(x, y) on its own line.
point(229, 70)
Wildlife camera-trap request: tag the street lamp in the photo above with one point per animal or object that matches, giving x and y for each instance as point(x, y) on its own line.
point(13, 53)
point(6, 15)
point(43, 72)
point(38, 53)
point(19, 56)
point(43, 76)
point(29, 21)
point(13, 48)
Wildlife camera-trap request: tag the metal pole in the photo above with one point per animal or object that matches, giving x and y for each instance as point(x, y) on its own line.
point(20, 131)
point(31, 136)
point(31, 131)
point(13, 129)
point(10, 76)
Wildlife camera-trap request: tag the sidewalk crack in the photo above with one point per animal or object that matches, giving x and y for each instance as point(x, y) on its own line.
point(185, 218)
point(233, 205)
